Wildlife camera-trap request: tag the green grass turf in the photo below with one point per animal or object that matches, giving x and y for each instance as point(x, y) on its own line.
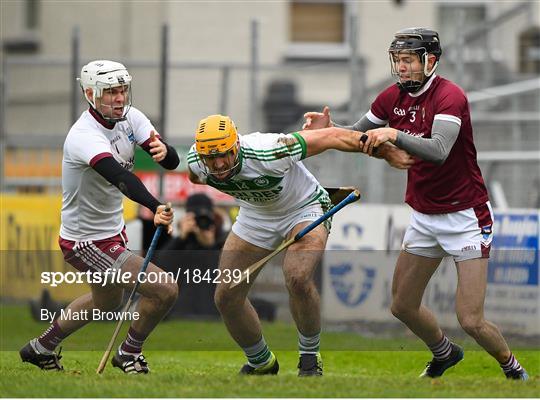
point(183, 365)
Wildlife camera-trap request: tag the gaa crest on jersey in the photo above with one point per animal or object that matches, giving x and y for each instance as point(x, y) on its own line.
point(399, 111)
point(131, 136)
point(487, 234)
point(128, 131)
point(261, 181)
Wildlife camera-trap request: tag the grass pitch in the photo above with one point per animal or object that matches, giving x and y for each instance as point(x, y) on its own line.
point(198, 359)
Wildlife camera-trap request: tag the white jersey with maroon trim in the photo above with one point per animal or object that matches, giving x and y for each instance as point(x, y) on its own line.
point(91, 206)
point(455, 185)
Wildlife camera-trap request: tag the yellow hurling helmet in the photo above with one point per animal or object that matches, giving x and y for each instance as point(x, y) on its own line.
point(216, 134)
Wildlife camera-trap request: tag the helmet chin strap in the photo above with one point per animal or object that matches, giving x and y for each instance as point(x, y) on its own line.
point(412, 86)
point(111, 118)
point(231, 172)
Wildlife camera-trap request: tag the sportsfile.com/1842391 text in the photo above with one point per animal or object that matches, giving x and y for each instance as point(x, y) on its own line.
point(191, 275)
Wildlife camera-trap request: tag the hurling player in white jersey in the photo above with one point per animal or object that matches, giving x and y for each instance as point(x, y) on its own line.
point(278, 197)
point(96, 173)
point(428, 116)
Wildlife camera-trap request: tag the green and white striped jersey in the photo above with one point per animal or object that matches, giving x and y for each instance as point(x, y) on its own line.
point(271, 177)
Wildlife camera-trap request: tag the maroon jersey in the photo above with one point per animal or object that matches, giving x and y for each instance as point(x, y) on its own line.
point(455, 185)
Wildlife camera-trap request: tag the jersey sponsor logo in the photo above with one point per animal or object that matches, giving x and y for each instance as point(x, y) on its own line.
point(258, 183)
point(256, 196)
point(399, 111)
point(114, 248)
point(409, 132)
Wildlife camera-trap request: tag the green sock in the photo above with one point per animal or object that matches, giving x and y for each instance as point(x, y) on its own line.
point(258, 354)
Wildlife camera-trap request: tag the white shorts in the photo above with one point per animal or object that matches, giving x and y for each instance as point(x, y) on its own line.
point(268, 232)
point(465, 234)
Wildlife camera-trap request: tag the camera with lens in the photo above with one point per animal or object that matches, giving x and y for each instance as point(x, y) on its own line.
point(204, 222)
point(202, 207)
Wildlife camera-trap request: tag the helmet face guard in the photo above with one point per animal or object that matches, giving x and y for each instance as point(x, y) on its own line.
point(103, 76)
point(216, 139)
point(419, 41)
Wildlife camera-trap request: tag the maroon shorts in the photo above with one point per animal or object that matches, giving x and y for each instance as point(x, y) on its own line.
point(96, 255)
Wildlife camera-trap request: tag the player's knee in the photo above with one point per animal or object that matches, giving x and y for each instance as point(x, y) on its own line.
point(400, 310)
point(225, 299)
point(471, 324)
point(309, 243)
point(299, 284)
point(167, 293)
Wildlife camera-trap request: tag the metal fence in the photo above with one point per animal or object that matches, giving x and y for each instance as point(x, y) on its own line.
point(40, 99)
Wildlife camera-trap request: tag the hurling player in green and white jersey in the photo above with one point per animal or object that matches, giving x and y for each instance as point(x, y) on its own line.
point(278, 197)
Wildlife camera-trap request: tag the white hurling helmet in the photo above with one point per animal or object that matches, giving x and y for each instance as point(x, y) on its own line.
point(103, 74)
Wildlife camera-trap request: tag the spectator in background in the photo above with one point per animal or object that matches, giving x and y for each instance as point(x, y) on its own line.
point(196, 253)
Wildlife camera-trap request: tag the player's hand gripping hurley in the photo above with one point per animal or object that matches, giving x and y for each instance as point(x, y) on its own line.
point(351, 198)
point(149, 255)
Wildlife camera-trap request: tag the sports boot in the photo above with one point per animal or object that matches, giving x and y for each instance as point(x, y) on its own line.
point(270, 368)
point(518, 375)
point(436, 368)
point(129, 363)
point(30, 354)
point(310, 365)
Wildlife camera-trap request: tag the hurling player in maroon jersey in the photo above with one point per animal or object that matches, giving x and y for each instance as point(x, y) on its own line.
point(428, 117)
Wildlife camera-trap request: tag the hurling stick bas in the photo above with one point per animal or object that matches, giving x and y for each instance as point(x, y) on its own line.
point(337, 194)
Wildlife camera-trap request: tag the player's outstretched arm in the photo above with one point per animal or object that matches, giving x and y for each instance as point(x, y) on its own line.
point(434, 149)
point(320, 140)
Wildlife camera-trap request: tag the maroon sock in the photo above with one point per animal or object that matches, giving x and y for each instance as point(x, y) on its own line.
point(52, 336)
point(133, 343)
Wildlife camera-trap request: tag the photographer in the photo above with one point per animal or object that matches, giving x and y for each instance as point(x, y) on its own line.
point(195, 252)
